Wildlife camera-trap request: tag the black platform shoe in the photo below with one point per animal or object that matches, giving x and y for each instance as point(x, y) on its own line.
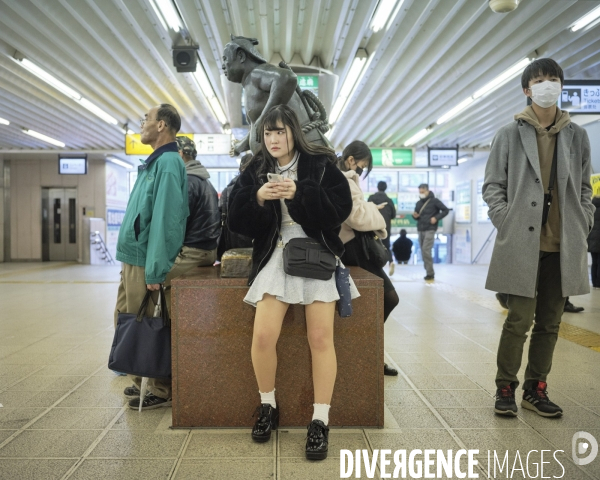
point(317, 440)
point(267, 421)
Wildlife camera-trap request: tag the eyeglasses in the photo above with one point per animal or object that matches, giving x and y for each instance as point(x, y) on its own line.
point(142, 122)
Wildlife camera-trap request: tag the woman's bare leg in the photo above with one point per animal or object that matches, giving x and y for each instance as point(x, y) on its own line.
point(267, 327)
point(319, 327)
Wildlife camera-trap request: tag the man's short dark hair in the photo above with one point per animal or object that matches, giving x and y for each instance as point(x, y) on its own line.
point(382, 186)
point(542, 66)
point(425, 186)
point(168, 114)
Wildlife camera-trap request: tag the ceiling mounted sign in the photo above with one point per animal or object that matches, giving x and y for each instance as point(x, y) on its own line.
point(134, 145)
point(209, 144)
point(393, 157)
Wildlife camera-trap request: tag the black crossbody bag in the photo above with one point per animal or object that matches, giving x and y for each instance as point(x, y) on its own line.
point(548, 196)
point(305, 257)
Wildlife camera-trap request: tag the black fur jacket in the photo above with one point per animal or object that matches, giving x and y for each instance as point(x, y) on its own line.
point(321, 204)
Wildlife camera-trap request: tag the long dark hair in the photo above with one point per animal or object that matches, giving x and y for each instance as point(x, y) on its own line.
point(264, 161)
point(360, 151)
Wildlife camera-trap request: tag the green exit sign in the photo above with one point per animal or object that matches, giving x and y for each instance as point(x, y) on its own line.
point(309, 82)
point(393, 157)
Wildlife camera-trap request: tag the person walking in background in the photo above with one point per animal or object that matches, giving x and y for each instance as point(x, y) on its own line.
point(153, 231)
point(402, 248)
point(365, 217)
point(429, 210)
point(388, 211)
point(537, 187)
point(594, 243)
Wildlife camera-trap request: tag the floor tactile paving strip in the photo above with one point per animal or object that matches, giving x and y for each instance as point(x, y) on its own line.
point(574, 334)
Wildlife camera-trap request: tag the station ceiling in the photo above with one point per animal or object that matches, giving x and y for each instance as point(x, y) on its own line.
point(428, 57)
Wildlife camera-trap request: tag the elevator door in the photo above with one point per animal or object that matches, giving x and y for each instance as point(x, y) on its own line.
point(59, 224)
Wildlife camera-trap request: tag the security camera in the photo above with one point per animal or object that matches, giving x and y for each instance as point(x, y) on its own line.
point(503, 6)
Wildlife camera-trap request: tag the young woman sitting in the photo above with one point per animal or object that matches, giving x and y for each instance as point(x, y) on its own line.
point(312, 200)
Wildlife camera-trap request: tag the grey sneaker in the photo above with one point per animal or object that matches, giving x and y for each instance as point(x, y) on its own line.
point(505, 401)
point(537, 401)
point(150, 402)
point(132, 391)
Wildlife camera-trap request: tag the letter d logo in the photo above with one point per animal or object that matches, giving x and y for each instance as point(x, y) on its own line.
point(588, 446)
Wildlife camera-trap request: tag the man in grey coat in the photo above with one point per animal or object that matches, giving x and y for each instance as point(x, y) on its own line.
point(537, 264)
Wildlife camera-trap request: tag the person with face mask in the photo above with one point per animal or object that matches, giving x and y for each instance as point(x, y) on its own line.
point(537, 187)
point(365, 217)
point(429, 210)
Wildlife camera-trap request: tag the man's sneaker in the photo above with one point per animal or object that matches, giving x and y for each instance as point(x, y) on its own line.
point(505, 401)
point(389, 371)
point(502, 299)
point(267, 421)
point(150, 402)
point(537, 400)
point(317, 440)
point(428, 277)
point(132, 391)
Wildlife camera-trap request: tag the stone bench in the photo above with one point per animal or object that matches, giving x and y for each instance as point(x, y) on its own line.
point(213, 379)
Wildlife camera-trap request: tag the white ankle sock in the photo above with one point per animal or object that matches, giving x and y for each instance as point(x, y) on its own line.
point(321, 412)
point(268, 397)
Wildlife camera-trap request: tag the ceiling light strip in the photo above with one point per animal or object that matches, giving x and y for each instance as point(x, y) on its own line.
point(121, 163)
point(50, 79)
point(169, 14)
point(382, 14)
point(4, 121)
point(45, 138)
point(356, 72)
point(98, 111)
point(417, 137)
point(488, 88)
point(68, 91)
point(586, 19)
point(209, 94)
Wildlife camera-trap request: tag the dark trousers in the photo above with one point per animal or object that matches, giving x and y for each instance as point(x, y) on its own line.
point(386, 244)
point(596, 269)
point(544, 312)
point(354, 257)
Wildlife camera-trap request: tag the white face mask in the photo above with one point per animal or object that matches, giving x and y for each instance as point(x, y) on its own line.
point(545, 94)
point(422, 195)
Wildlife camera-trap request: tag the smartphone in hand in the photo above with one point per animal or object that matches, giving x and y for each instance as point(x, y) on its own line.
point(274, 178)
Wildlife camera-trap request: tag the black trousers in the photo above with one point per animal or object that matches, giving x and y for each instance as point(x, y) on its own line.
point(354, 257)
point(596, 269)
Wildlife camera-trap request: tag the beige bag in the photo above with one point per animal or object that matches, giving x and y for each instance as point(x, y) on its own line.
point(236, 263)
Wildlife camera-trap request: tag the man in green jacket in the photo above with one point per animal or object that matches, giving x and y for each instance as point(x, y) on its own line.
point(153, 229)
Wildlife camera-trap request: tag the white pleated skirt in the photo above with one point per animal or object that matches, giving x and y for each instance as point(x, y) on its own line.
point(286, 288)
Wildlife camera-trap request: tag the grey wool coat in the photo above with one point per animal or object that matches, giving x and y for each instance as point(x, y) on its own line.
point(514, 193)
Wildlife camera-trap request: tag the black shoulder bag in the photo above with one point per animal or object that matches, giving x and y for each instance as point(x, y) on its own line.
point(548, 196)
point(305, 257)
point(372, 248)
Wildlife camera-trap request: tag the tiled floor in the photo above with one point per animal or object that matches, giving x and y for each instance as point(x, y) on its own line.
point(62, 413)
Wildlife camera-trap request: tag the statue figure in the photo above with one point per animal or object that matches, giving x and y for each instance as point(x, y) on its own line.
point(267, 85)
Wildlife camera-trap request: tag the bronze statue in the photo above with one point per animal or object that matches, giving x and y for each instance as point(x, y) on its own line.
point(267, 85)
